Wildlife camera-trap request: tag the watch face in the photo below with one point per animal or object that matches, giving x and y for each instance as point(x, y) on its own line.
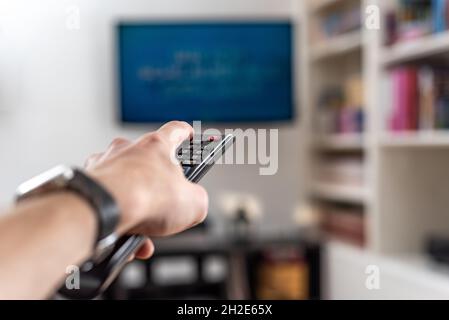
point(52, 179)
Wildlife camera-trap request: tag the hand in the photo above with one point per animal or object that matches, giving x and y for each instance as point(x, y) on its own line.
point(148, 184)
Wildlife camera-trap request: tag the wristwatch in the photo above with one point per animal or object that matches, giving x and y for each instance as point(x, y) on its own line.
point(73, 179)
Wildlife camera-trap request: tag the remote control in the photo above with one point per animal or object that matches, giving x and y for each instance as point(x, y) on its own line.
point(196, 156)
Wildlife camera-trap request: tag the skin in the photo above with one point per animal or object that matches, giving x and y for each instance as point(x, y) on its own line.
point(41, 236)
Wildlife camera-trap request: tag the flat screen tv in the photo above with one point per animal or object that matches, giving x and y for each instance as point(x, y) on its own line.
point(209, 71)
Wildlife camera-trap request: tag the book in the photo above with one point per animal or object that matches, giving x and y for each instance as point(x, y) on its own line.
point(345, 170)
point(439, 17)
point(386, 87)
point(340, 21)
point(396, 103)
point(402, 99)
point(406, 95)
point(447, 14)
point(420, 97)
point(416, 18)
point(344, 223)
point(426, 98)
point(341, 107)
point(412, 98)
point(442, 97)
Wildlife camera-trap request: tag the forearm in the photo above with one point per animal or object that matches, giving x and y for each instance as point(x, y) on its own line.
point(42, 236)
point(39, 239)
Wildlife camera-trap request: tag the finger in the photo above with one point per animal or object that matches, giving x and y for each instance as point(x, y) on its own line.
point(146, 250)
point(116, 145)
point(176, 132)
point(200, 204)
point(92, 160)
point(131, 257)
point(118, 142)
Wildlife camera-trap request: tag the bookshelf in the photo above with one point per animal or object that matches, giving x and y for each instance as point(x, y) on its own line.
point(426, 139)
point(318, 5)
point(340, 142)
point(340, 193)
point(341, 45)
point(418, 49)
point(403, 276)
point(334, 59)
point(405, 195)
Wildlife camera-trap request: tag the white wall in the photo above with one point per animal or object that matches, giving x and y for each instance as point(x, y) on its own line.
point(57, 92)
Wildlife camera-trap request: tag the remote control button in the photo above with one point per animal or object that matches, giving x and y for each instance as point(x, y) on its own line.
point(189, 152)
point(188, 163)
point(195, 147)
point(213, 138)
point(209, 147)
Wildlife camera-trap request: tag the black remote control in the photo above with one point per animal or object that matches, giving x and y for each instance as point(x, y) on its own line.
point(196, 157)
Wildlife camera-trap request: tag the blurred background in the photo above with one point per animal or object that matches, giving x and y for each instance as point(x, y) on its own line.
point(359, 91)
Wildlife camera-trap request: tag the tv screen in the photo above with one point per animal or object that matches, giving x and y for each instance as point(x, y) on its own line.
point(208, 71)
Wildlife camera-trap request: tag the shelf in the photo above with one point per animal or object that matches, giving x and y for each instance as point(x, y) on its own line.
point(410, 276)
point(435, 139)
point(340, 142)
point(417, 49)
point(420, 266)
point(340, 193)
point(337, 46)
point(318, 5)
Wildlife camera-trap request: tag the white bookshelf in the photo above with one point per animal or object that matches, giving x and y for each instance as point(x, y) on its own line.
point(402, 276)
point(329, 59)
point(340, 193)
point(319, 5)
point(340, 142)
point(426, 139)
point(340, 45)
point(416, 49)
point(406, 194)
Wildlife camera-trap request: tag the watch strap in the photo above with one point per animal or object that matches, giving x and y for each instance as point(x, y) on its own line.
point(100, 199)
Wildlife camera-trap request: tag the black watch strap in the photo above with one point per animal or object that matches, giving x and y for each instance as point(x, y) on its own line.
point(100, 199)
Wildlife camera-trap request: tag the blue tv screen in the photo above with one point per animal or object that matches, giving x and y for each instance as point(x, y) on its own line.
point(208, 71)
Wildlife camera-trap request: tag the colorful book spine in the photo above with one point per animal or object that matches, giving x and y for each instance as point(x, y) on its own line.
point(412, 99)
point(439, 15)
point(401, 107)
point(416, 18)
point(420, 98)
point(345, 224)
point(442, 97)
point(447, 14)
point(394, 120)
point(426, 98)
point(405, 102)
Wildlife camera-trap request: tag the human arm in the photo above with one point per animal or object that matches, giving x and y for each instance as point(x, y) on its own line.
point(43, 235)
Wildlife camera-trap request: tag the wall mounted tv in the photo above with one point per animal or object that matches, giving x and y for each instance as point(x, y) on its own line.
point(210, 71)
